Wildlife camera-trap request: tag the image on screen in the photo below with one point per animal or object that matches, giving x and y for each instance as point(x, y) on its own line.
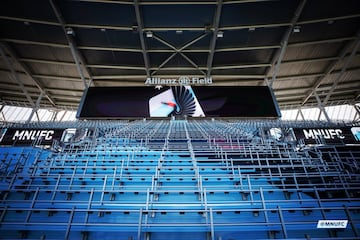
point(178, 100)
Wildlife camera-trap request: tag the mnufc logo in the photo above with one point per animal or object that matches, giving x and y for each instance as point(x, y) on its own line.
point(33, 135)
point(323, 133)
point(332, 223)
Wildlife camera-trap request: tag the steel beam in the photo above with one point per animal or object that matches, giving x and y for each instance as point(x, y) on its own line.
point(282, 78)
point(115, 77)
point(321, 107)
point(72, 44)
point(357, 114)
point(21, 103)
point(192, 63)
point(284, 42)
point(128, 28)
point(173, 2)
point(238, 66)
point(330, 68)
point(214, 38)
point(299, 113)
point(62, 117)
point(343, 70)
point(141, 35)
point(27, 71)
point(233, 49)
point(35, 108)
point(176, 51)
point(15, 76)
point(321, 41)
point(2, 113)
point(313, 75)
point(53, 117)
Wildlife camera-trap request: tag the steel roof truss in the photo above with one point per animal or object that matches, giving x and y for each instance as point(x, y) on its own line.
point(15, 75)
point(214, 38)
point(73, 47)
point(142, 40)
point(284, 42)
point(176, 51)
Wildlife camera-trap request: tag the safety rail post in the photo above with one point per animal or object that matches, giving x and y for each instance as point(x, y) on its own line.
point(264, 204)
point(56, 188)
point(89, 205)
point(250, 189)
point(206, 206)
point(103, 190)
point(330, 231)
point(297, 187)
point(232, 167)
point(283, 227)
point(72, 178)
point(351, 221)
point(147, 203)
point(139, 224)
point(345, 186)
point(240, 177)
point(12, 182)
point(32, 205)
point(3, 212)
point(122, 168)
point(212, 232)
point(113, 180)
point(69, 223)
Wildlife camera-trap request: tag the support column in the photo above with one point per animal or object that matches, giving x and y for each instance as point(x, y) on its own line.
point(321, 107)
point(55, 113)
point(2, 114)
point(299, 113)
point(357, 115)
point(35, 108)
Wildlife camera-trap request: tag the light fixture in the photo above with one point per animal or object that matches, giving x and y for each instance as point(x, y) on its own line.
point(179, 31)
point(149, 34)
point(70, 31)
point(134, 28)
point(297, 29)
point(251, 29)
point(220, 34)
